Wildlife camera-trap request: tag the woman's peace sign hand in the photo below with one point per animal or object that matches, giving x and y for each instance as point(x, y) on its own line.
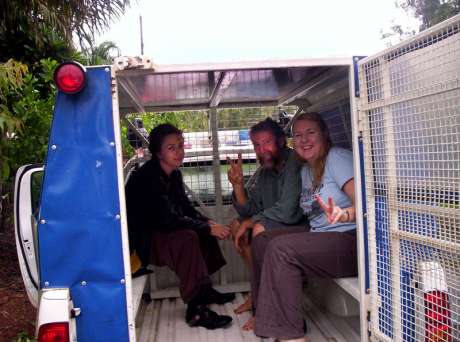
point(333, 212)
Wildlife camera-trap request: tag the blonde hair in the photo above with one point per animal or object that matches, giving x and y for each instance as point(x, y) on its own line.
point(318, 165)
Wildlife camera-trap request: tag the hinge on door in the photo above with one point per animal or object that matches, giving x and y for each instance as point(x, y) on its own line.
point(360, 125)
point(368, 317)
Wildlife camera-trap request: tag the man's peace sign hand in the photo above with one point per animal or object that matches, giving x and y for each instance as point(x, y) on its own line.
point(235, 172)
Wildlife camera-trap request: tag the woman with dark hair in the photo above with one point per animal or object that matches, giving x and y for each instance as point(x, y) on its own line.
point(165, 228)
point(283, 262)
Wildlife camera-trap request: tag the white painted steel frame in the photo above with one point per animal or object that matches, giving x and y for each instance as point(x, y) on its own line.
point(245, 65)
point(130, 308)
point(364, 305)
point(213, 127)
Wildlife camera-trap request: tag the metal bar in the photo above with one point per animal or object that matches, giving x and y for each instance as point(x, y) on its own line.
point(442, 88)
point(381, 337)
point(211, 82)
point(142, 35)
point(232, 66)
point(364, 127)
point(372, 239)
point(129, 164)
point(122, 205)
point(205, 151)
point(200, 106)
point(288, 126)
point(224, 82)
point(428, 209)
point(427, 240)
point(392, 206)
point(145, 142)
point(134, 98)
point(213, 125)
point(360, 205)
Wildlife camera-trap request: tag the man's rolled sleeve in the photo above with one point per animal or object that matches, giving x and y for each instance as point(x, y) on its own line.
point(249, 209)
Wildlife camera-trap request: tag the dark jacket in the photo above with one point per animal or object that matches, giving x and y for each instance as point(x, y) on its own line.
point(156, 202)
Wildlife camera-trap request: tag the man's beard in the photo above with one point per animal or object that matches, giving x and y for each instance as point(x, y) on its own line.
point(269, 160)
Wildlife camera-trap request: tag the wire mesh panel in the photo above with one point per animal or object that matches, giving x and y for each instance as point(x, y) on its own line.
point(410, 109)
point(233, 128)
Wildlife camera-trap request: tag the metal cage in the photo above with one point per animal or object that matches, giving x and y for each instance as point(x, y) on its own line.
point(410, 109)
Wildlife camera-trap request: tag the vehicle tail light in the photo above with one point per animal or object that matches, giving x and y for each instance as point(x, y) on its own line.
point(437, 317)
point(70, 77)
point(54, 332)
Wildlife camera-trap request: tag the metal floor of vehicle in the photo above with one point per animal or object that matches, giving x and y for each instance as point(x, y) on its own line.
point(162, 320)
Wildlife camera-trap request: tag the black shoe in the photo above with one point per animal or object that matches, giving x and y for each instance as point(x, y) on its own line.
point(202, 316)
point(212, 296)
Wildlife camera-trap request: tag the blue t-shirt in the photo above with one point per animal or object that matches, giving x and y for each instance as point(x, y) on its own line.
point(338, 171)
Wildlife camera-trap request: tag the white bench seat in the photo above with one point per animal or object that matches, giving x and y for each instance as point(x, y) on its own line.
point(138, 285)
point(350, 285)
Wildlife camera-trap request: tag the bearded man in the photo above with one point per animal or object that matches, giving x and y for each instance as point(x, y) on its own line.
point(270, 199)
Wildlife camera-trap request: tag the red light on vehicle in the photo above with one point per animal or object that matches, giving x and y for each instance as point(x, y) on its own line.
point(70, 77)
point(54, 332)
point(437, 317)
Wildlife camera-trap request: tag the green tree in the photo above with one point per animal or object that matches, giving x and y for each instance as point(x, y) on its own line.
point(428, 12)
point(431, 12)
point(66, 18)
point(34, 36)
point(11, 82)
point(27, 101)
point(102, 53)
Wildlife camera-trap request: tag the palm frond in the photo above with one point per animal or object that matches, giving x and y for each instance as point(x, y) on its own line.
point(80, 17)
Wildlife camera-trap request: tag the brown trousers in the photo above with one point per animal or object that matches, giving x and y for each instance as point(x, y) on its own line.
point(282, 262)
point(192, 256)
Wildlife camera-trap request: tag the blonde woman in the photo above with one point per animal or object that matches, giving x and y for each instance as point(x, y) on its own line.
point(328, 249)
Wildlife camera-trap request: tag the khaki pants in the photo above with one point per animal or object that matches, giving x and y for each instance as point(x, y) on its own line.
point(284, 262)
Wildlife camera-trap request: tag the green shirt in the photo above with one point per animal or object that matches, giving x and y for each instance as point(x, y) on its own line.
point(274, 195)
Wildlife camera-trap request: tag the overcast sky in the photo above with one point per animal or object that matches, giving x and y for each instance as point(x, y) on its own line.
point(185, 31)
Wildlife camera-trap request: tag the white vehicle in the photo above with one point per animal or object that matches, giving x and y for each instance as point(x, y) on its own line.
point(399, 111)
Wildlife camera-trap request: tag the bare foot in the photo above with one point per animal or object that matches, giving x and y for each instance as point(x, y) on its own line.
point(250, 323)
point(246, 306)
